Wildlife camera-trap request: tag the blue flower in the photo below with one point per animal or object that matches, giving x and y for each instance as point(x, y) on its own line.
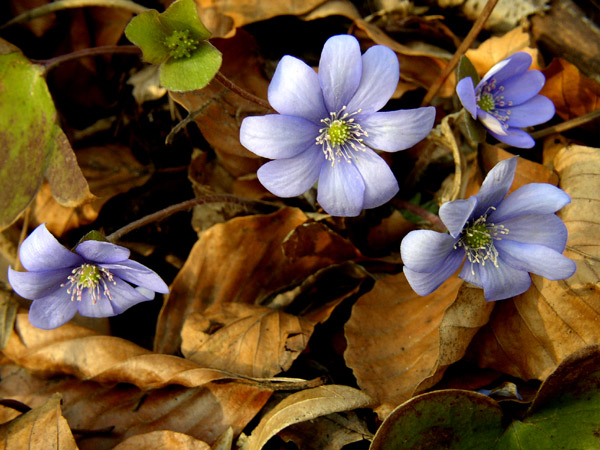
point(506, 100)
point(94, 280)
point(502, 239)
point(328, 125)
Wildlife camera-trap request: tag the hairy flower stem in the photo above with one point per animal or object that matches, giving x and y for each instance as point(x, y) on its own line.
point(242, 92)
point(102, 50)
point(183, 206)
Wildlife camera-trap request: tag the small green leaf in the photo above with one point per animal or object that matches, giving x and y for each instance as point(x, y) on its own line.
point(183, 15)
point(195, 72)
point(148, 33)
point(93, 235)
point(475, 130)
point(466, 69)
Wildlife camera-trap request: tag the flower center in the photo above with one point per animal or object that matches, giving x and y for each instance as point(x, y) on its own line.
point(341, 136)
point(180, 44)
point(89, 276)
point(490, 98)
point(477, 238)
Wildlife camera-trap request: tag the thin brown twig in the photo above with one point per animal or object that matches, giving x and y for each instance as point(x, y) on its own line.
point(477, 27)
point(242, 92)
point(569, 124)
point(93, 51)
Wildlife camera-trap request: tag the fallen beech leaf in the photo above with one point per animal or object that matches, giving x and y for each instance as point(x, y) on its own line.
point(394, 340)
point(528, 336)
point(159, 440)
point(305, 405)
point(251, 340)
point(41, 428)
point(573, 93)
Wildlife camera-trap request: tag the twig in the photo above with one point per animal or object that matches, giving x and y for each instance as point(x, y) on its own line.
point(564, 126)
point(421, 212)
point(477, 27)
point(242, 92)
point(67, 4)
point(102, 50)
point(183, 123)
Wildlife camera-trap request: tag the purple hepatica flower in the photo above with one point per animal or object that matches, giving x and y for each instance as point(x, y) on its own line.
point(502, 238)
point(328, 125)
point(93, 281)
point(506, 100)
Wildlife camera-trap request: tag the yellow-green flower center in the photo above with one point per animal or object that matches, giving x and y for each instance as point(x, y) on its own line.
point(180, 44)
point(341, 137)
point(486, 102)
point(89, 276)
point(476, 236)
point(338, 132)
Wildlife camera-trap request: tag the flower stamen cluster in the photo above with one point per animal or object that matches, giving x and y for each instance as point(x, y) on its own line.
point(340, 136)
point(490, 98)
point(89, 276)
point(180, 44)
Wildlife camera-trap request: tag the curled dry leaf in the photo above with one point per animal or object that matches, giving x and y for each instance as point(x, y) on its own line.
point(204, 413)
point(528, 336)
point(41, 428)
point(250, 340)
point(394, 339)
point(305, 405)
point(159, 440)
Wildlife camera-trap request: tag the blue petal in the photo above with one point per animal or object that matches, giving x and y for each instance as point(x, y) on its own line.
point(397, 130)
point(503, 281)
point(102, 252)
point(425, 283)
point(466, 94)
point(455, 214)
point(34, 285)
point(340, 71)
point(138, 274)
point(493, 125)
point(495, 186)
point(123, 296)
point(276, 136)
point(537, 110)
point(52, 311)
point(102, 308)
point(515, 64)
point(41, 251)
point(542, 229)
point(470, 274)
point(533, 198)
point(292, 176)
point(380, 182)
point(536, 259)
point(380, 75)
point(295, 91)
point(425, 251)
point(515, 137)
point(341, 189)
point(521, 88)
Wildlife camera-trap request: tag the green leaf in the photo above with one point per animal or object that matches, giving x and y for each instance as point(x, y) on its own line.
point(195, 72)
point(32, 145)
point(148, 33)
point(183, 15)
point(475, 130)
point(465, 69)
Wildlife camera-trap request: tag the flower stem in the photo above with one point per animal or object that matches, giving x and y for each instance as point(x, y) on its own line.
point(421, 212)
point(477, 27)
point(242, 92)
point(67, 4)
point(84, 52)
point(183, 206)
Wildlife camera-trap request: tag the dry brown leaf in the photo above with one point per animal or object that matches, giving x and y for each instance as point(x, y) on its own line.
point(495, 49)
point(393, 338)
point(572, 92)
point(529, 336)
point(160, 440)
point(204, 413)
point(249, 340)
point(305, 405)
point(42, 428)
point(237, 261)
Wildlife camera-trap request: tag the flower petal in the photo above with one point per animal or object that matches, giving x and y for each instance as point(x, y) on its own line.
point(340, 71)
point(380, 75)
point(341, 189)
point(536, 259)
point(123, 296)
point(294, 90)
point(290, 177)
point(495, 186)
point(41, 251)
point(470, 274)
point(102, 308)
point(397, 130)
point(34, 285)
point(502, 281)
point(537, 110)
point(102, 252)
point(424, 251)
point(491, 123)
point(138, 274)
point(276, 136)
point(515, 137)
point(532, 198)
point(425, 283)
point(52, 311)
point(542, 229)
point(520, 88)
point(515, 64)
point(466, 94)
point(380, 182)
point(455, 214)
